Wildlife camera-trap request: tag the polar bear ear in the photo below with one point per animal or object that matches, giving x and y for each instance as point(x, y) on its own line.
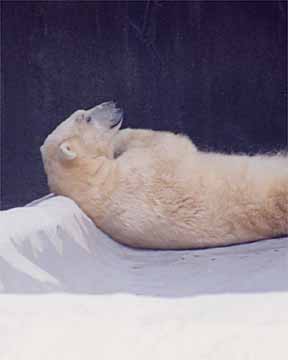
point(66, 152)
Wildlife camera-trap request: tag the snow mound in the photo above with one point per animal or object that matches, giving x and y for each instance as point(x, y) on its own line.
point(53, 246)
point(222, 303)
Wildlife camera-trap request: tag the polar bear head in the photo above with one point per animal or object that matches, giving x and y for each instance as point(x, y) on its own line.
point(84, 135)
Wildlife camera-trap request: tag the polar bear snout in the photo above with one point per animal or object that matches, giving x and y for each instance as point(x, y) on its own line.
point(106, 115)
point(117, 118)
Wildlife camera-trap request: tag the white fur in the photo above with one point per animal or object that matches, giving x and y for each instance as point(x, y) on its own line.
point(156, 190)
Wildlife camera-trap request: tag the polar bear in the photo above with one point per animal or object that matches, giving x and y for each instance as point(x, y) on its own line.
point(154, 189)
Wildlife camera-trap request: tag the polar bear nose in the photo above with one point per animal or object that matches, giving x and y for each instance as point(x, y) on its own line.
point(107, 104)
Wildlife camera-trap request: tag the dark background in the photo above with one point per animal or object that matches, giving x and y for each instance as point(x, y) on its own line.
point(215, 70)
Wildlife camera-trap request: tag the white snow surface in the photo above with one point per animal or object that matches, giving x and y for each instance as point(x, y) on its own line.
point(68, 291)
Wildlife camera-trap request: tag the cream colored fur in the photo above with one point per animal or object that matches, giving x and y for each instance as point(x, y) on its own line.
point(154, 189)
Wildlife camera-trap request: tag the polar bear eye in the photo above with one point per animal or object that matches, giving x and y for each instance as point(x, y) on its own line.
point(88, 119)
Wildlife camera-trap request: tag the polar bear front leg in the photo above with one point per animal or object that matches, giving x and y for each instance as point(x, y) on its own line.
point(141, 138)
point(133, 138)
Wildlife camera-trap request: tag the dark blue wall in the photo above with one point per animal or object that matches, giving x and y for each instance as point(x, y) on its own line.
point(215, 70)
